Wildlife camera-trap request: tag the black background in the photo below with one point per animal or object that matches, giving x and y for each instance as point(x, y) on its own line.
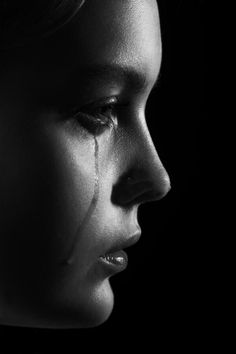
point(161, 299)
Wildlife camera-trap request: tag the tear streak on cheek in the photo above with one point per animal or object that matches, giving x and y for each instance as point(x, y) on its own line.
point(72, 253)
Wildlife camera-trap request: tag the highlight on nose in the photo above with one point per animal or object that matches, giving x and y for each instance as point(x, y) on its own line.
point(141, 186)
point(161, 186)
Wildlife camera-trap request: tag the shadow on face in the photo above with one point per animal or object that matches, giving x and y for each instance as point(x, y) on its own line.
point(76, 161)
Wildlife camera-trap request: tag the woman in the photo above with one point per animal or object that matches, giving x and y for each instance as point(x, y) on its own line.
point(76, 156)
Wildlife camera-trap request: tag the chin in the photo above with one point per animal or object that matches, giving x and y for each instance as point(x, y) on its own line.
point(90, 310)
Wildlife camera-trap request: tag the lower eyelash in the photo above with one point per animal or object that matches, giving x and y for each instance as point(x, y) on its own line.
point(94, 123)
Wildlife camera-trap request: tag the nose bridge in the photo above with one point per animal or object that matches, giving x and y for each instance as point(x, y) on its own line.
point(146, 168)
point(143, 177)
point(147, 163)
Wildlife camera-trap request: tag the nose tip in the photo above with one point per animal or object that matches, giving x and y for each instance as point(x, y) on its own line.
point(157, 186)
point(144, 177)
point(161, 185)
point(138, 188)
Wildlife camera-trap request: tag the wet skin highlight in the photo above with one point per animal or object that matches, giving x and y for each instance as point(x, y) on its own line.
point(72, 253)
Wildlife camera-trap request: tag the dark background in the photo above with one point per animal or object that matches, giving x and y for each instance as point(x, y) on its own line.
point(161, 299)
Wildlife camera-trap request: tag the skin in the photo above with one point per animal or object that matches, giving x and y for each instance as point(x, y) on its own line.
point(64, 189)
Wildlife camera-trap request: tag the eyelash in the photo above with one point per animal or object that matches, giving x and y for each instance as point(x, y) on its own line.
point(91, 118)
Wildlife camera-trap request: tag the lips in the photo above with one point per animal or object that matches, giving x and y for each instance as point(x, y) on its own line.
point(118, 258)
point(115, 254)
point(114, 259)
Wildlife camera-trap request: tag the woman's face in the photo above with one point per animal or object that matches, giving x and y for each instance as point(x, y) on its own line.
point(76, 161)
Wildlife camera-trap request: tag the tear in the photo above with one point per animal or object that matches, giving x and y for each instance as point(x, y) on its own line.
point(72, 253)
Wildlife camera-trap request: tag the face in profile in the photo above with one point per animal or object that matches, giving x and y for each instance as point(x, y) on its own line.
point(76, 161)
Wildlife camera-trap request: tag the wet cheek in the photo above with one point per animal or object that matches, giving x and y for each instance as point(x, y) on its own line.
point(73, 183)
point(47, 178)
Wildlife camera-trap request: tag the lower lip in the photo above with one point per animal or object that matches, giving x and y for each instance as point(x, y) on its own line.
point(114, 262)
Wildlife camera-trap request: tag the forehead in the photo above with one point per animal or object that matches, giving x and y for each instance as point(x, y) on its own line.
point(108, 32)
point(113, 23)
point(123, 31)
point(120, 31)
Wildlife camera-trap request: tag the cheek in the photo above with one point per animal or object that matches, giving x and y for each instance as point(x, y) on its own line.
point(46, 184)
point(73, 179)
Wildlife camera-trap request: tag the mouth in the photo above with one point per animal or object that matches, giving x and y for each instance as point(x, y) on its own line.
point(118, 258)
point(115, 258)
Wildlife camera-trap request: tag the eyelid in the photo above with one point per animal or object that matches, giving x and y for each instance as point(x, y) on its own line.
point(100, 103)
point(71, 111)
point(90, 118)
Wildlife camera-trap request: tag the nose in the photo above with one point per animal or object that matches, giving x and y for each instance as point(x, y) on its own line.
point(144, 177)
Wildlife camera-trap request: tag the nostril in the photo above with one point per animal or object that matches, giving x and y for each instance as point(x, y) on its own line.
point(129, 192)
point(139, 192)
point(154, 193)
point(141, 185)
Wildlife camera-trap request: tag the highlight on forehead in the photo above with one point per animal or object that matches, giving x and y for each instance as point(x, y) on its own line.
point(135, 79)
point(23, 21)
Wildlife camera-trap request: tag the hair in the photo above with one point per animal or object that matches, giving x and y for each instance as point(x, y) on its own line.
point(23, 21)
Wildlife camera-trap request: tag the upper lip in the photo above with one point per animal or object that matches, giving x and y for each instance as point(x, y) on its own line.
point(125, 242)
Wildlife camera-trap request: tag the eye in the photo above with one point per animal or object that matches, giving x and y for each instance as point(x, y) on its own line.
point(97, 117)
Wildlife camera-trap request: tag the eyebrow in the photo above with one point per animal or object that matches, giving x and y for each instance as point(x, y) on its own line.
point(128, 75)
